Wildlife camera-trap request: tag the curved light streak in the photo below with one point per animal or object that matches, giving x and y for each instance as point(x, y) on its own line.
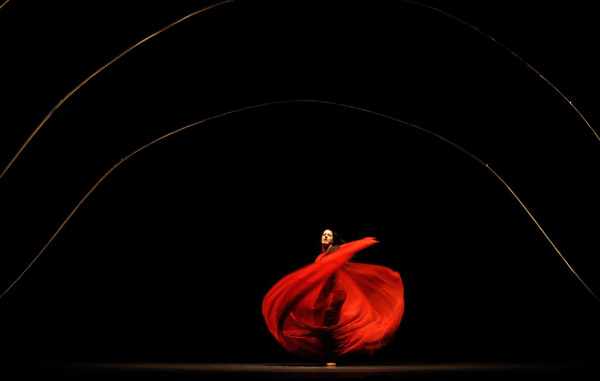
point(511, 52)
point(3, 4)
point(445, 140)
point(426, 6)
point(64, 99)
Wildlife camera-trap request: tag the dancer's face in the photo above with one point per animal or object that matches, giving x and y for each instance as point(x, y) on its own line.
point(327, 238)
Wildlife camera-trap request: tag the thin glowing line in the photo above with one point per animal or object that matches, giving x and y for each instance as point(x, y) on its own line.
point(6, 2)
point(10, 163)
point(127, 157)
point(63, 100)
point(469, 154)
point(514, 55)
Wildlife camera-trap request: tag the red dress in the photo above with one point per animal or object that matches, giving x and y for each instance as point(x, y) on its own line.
point(333, 307)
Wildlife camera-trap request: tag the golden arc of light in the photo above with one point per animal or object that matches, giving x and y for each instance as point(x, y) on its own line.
point(426, 6)
point(76, 88)
point(330, 103)
point(3, 4)
point(515, 55)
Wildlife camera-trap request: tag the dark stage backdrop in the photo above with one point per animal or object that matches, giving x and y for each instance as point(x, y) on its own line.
point(169, 258)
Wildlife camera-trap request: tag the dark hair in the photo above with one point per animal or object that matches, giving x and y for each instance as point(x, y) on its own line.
point(337, 241)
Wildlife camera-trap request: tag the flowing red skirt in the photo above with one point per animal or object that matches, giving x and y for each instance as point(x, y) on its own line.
point(333, 307)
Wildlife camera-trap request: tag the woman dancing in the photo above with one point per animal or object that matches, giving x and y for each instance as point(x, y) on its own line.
point(334, 307)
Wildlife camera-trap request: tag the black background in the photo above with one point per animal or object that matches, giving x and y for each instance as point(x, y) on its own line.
point(169, 258)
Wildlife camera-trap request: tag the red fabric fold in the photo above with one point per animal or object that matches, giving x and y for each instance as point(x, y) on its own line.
point(333, 307)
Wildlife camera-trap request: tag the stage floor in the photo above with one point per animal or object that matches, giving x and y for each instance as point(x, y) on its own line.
point(225, 371)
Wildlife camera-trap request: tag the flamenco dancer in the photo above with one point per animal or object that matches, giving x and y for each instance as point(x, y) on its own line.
point(335, 307)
